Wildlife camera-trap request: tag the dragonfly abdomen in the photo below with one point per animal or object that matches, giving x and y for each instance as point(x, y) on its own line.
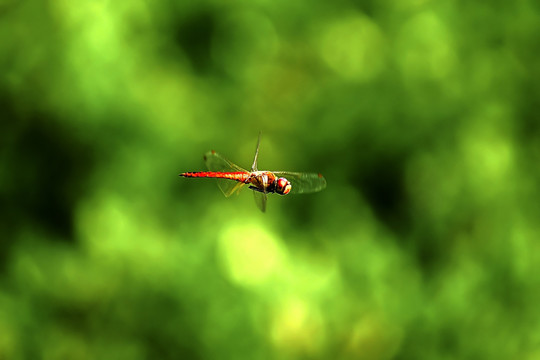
point(237, 176)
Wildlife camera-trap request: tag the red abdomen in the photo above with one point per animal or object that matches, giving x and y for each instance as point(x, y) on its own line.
point(237, 176)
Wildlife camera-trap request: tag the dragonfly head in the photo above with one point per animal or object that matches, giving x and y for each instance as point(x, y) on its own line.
point(283, 186)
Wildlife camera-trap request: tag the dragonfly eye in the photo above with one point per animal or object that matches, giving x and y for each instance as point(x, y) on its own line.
point(283, 186)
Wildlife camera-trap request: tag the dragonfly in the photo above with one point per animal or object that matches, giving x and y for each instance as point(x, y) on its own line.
point(232, 178)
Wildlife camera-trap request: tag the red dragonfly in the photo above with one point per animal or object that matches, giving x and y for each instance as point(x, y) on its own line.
point(232, 178)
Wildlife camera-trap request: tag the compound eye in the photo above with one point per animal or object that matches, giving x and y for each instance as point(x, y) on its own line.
point(283, 186)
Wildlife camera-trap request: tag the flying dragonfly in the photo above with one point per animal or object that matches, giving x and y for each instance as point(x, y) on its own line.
point(232, 178)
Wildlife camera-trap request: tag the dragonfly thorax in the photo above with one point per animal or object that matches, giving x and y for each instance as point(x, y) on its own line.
point(267, 182)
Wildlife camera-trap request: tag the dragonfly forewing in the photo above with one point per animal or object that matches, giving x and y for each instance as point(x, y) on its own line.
point(303, 183)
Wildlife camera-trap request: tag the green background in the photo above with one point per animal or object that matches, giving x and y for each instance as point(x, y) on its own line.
point(422, 115)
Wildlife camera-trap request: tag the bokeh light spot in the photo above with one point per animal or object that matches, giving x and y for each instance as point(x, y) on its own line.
point(425, 48)
point(353, 47)
point(297, 327)
point(251, 255)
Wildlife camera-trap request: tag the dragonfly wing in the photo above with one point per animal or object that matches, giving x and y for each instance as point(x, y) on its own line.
point(260, 199)
point(254, 166)
point(216, 162)
point(229, 187)
point(303, 183)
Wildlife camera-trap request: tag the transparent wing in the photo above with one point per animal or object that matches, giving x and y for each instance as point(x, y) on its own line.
point(254, 166)
point(302, 183)
point(260, 200)
point(216, 162)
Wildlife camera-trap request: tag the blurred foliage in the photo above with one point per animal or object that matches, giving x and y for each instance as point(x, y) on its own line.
point(422, 115)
